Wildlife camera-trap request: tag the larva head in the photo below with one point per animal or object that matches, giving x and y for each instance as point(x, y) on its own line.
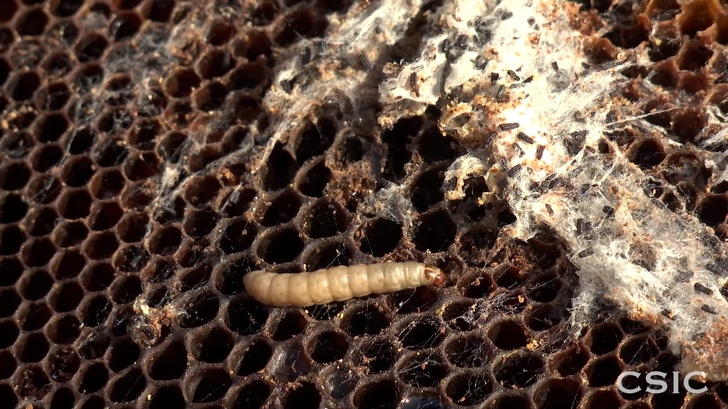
point(435, 276)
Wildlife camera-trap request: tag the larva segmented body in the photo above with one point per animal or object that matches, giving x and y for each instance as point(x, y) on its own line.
point(338, 283)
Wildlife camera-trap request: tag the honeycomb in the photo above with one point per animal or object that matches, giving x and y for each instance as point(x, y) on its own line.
point(140, 181)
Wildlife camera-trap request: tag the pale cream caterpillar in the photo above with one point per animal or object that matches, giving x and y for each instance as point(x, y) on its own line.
point(338, 283)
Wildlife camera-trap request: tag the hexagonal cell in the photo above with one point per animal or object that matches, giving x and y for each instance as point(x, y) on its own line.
point(201, 190)
point(69, 234)
point(126, 289)
point(172, 146)
point(434, 231)
point(340, 382)
point(299, 24)
point(63, 363)
point(200, 309)
point(65, 8)
point(101, 245)
point(57, 65)
point(41, 221)
point(66, 296)
point(141, 166)
point(328, 254)
point(507, 335)
point(98, 276)
point(279, 245)
point(377, 355)
point(238, 235)
point(168, 397)
point(207, 384)
point(364, 320)
point(278, 208)
point(327, 347)
point(200, 223)
point(557, 394)
point(279, 170)
point(519, 370)
point(603, 371)
point(210, 96)
point(44, 158)
point(53, 97)
point(421, 370)
point(468, 387)
point(127, 387)
point(76, 172)
point(32, 347)
point(181, 83)
point(312, 180)
point(379, 236)
point(32, 22)
point(165, 241)
point(91, 47)
point(93, 378)
point(63, 329)
point(304, 396)
point(638, 350)
point(17, 145)
point(604, 338)
point(314, 139)
point(32, 383)
point(288, 325)
point(133, 227)
point(14, 175)
point(255, 357)
point(33, 316)
point(8, 11)
point(110, 152)
point(35, 285)
point(215, 63)
point(324, 219)
point(250, 76)
point(713, 209)
point(125, 26)
point(37, 252)
point(24, 86)
point(7, 364)
point(63, 397)
point(12, 208)
point(158, 10)
point(75, 204)
point(544, 288)
point(95, 310)
point(11, 238)
point(647, 154)
point(422, 333)
point(168, 361)
point(105, 215)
